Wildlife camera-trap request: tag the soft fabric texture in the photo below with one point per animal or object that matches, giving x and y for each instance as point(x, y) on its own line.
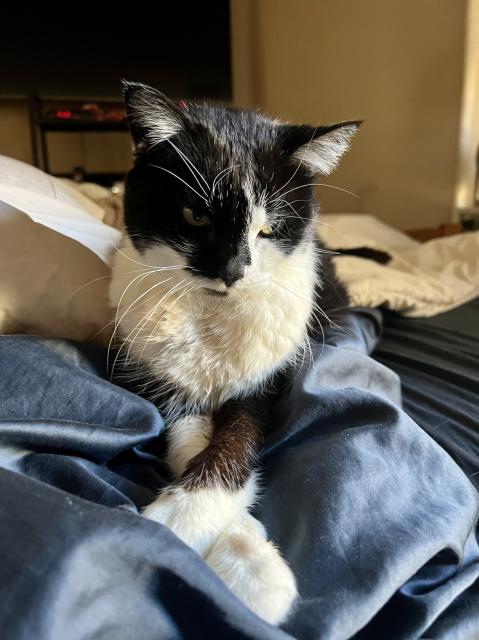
point(50, 282)
point(68, 295)
point(376, 520)
point(442, 353)
point(108, 201)
point(421, 280)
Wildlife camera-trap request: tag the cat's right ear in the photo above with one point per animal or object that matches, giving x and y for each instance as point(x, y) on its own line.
point(319, 149)
point(152, 116)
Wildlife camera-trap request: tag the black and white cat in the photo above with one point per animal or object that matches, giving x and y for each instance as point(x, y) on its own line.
point(217, 285)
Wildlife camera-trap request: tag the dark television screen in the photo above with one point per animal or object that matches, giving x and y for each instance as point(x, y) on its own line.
point(182, 48)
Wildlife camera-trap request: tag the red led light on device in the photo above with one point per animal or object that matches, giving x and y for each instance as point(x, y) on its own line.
point(64, 114)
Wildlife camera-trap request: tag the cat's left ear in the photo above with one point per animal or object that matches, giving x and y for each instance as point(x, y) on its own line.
point(152, 116)
point(319, 149)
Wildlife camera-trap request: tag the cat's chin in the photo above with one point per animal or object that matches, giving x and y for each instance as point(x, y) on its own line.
point(214, 292)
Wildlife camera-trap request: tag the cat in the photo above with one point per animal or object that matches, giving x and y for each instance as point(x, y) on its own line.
point(219, 285)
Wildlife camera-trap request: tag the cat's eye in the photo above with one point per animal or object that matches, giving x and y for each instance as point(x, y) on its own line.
point(195, 219)
point(265, 231)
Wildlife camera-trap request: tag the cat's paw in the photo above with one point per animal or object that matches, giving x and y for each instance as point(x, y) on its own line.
point(197, 516)
point(253, 569)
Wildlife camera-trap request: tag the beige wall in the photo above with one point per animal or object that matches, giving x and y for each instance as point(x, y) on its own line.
point(469, 137)
point(396, 63)
point(96, 152)
point(14, 130)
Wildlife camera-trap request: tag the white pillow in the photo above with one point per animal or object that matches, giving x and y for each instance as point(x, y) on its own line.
point(50, 282)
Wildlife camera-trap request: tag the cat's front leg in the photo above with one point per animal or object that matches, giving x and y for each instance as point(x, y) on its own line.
point(201, 503)
point(208, 508)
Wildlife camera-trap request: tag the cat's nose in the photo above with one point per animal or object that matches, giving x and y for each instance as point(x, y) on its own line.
point(232, 271)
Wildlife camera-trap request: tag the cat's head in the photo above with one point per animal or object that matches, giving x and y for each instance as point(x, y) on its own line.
point(225, 193)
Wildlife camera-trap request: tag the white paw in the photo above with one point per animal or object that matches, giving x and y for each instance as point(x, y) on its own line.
point(198, 516)
point(254, 570)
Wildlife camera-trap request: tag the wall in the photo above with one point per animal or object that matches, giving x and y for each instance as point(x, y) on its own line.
point(396, 64)
point(469, 138)
point(96, 152)
point(14, 130)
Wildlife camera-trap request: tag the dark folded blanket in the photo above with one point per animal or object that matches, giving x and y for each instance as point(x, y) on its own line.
point(376, 519)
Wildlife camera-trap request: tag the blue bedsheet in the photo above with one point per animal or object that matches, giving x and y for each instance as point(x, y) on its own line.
point(376, 519)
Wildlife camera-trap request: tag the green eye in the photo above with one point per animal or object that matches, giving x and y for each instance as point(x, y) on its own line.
point(195, 219)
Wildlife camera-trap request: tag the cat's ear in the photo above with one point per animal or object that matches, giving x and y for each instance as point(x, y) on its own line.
point(151, 115)
point(319, 149)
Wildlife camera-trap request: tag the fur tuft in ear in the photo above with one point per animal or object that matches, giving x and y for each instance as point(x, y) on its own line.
point(152, 116)
point(320, 149)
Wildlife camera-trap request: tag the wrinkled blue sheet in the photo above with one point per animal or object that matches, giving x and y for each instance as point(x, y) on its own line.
point(376, 519)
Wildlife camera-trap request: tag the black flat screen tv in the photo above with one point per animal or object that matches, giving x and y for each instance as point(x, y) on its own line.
point(68, 49)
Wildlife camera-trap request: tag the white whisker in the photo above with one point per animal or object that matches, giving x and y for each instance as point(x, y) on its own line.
point(191, 167)
point(318, 184)
point(87, 284)
point(298, 167)
point(157, 284)
point(157, 166)
point(223, 174)
point(118, 321)
point(180, 285)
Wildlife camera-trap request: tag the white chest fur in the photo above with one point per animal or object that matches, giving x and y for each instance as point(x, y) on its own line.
point(204, 347)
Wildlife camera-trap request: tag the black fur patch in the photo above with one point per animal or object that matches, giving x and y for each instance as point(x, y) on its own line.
point(219, 163)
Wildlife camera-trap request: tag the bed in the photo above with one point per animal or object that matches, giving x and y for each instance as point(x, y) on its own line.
point(375, 507)
point(370, 471)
